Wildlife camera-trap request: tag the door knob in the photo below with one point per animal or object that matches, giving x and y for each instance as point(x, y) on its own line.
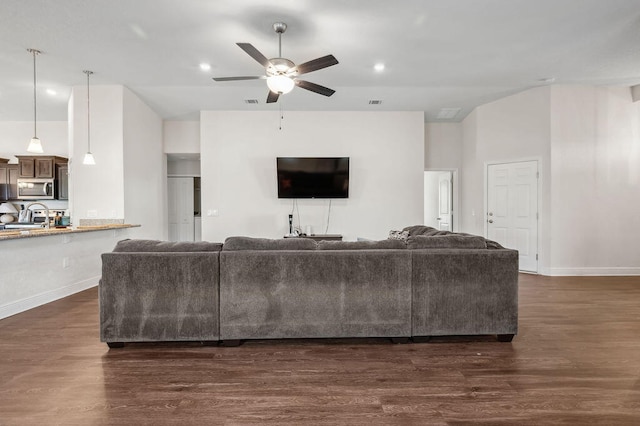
point(490, 221)
point(490, 214)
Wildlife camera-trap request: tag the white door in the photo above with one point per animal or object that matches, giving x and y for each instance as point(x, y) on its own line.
point(180, 199)
point(444, 202)
point(438, 196)
point(512, 209)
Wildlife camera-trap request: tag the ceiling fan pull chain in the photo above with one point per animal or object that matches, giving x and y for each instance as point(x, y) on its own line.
point(281, 116)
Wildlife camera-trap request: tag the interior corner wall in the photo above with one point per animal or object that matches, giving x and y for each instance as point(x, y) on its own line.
point(144, 169)
point(515, 128)
point(238, 154)
point(181, 137)
point(595, 197)
point(96, 192)
point(443, 146)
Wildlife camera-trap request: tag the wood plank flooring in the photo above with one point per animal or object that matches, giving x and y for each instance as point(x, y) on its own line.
point(575, 361)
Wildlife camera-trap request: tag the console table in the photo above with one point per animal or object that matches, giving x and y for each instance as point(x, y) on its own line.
point(319, 237)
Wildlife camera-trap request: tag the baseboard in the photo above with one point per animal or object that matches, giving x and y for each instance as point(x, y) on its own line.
point(22, 305)
point(597, 271)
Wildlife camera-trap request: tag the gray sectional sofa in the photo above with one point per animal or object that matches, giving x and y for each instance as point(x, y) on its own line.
point(431, 284)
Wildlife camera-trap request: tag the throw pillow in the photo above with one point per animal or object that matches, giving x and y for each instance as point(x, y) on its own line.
point(398, 235)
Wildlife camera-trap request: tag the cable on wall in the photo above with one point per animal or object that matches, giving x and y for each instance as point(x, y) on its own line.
point(328, 217)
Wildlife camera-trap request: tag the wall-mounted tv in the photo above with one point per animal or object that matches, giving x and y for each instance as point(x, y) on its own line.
point(313, 177)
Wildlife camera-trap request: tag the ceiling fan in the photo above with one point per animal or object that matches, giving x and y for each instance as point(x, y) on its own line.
point(281, 73)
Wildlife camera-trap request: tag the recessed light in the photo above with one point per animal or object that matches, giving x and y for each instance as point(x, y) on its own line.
point(379, 67)
point(51, 92)
point(205, 67)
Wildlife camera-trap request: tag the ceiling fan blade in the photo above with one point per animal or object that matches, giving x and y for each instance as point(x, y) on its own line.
point(272, 97)
point(315, 87)
point(254, 53)
point(248, 77)
point(317, 64)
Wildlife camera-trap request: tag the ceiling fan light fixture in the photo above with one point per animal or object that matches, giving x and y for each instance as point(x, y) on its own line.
point(280, 84)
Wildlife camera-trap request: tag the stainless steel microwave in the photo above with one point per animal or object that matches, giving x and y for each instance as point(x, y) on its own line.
point(36, 189)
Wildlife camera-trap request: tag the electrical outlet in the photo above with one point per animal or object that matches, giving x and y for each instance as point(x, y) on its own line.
point(66, 262)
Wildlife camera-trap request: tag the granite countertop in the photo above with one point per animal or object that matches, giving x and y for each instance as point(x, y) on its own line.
point(12, 234)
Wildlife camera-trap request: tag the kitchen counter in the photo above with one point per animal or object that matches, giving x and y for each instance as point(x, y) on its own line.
point(12, 234)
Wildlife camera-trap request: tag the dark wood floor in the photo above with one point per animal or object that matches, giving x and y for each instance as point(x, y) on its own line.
point(576, 361)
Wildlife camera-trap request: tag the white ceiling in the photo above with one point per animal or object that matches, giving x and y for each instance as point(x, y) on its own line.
point(438, 53)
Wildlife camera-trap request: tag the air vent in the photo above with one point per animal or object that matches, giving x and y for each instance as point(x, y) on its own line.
point(448, 113)
point(375, 102)
point(250, 101)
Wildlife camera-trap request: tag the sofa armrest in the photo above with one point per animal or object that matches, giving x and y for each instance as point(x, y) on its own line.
point(159, 297)
point(464, 292)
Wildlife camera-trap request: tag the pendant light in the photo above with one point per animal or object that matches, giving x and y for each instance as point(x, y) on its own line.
point(88, 157)
point(34, 146)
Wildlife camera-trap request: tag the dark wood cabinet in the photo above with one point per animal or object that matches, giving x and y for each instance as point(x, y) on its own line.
point(62, 176)
point(38, 166)
point(8, 180)
point(44, 168)
point(26, 167)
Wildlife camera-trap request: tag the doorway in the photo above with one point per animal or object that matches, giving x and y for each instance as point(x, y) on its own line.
point(438, 199)
point(183, 197)
point(512, 209)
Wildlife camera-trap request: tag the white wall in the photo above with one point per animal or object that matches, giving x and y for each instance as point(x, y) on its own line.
point(239, 171)
point(443, 146)
point(181, 137)
point(128, 181)
point(183, 167)
point(34, 271)
point(431, 198)
point(145, 190)
point(15, 137)
point(595, 196)
point(514, 128)
point(97, 188)
point(587, 142)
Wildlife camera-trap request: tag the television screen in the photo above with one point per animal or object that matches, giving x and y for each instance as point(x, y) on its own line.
point(305, 177)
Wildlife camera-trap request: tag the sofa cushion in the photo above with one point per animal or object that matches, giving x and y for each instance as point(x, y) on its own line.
point(362, 245)
point(249, 243)
point(423, 230)
point(446, 241)
point(129, 245)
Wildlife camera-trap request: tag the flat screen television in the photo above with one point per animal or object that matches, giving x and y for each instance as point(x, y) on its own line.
point(313, 177)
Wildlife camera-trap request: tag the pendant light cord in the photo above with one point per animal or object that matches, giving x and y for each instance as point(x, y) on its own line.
point(35, 109)
point(88, 113)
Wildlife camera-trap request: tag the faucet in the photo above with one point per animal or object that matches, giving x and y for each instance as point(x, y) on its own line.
point(46, 221)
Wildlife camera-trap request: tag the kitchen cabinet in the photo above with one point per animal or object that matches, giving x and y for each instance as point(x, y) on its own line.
point(62, 174)
point(8, 180)
point(38, 166)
